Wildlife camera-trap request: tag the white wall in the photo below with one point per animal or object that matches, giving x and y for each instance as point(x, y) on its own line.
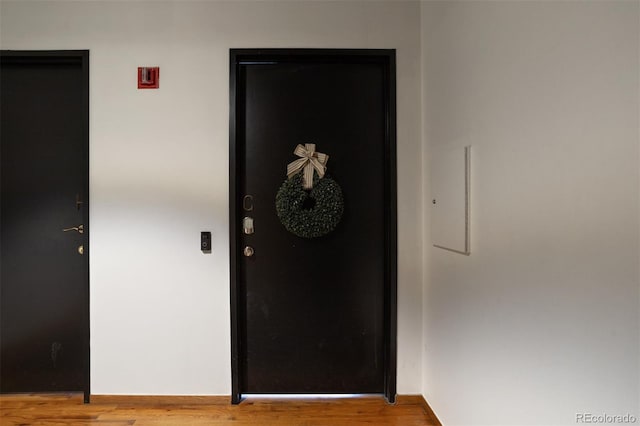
point(159, 170)
point(541, 321)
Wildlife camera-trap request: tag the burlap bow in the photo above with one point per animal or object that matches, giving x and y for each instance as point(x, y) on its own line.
point(310, 160)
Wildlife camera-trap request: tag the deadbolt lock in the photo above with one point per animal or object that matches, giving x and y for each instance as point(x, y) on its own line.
point(248, 251)
point(81, 249)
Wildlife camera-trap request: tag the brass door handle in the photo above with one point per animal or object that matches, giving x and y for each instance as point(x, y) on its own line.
point(79, 228)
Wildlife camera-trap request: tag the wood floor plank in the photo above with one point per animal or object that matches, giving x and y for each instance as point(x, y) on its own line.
point(68, 409)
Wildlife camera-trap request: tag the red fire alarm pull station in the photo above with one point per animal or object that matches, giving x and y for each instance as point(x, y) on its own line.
point(148, 77)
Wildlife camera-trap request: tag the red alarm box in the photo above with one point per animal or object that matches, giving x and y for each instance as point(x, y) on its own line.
point(148, 77)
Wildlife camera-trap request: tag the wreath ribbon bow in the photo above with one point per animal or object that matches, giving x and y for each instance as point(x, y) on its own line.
point(309, 161)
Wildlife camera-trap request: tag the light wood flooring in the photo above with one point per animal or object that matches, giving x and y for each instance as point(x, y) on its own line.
point(68, 409)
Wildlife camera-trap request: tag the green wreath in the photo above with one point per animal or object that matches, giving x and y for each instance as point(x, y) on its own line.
point(309, 214)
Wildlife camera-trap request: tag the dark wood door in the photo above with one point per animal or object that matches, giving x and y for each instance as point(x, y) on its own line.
point(44, 178)
point(313, 315)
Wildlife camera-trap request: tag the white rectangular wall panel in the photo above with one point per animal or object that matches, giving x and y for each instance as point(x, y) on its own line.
point(450, 191)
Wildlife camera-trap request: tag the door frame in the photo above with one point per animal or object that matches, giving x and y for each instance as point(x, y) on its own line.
point(386, 57)
point(80, 57)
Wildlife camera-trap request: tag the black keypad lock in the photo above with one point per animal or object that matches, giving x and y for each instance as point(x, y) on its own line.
point(205, 241)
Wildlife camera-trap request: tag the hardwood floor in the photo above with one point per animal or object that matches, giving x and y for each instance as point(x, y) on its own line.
point(68, 409)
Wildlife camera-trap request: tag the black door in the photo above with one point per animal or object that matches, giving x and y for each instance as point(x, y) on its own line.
point(313, 315)
point(44, 179)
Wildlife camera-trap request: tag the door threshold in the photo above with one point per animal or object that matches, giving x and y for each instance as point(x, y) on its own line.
point(309, 395)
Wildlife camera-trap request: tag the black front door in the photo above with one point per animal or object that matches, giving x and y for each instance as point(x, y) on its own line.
point(313, 315)
point(44, 222)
